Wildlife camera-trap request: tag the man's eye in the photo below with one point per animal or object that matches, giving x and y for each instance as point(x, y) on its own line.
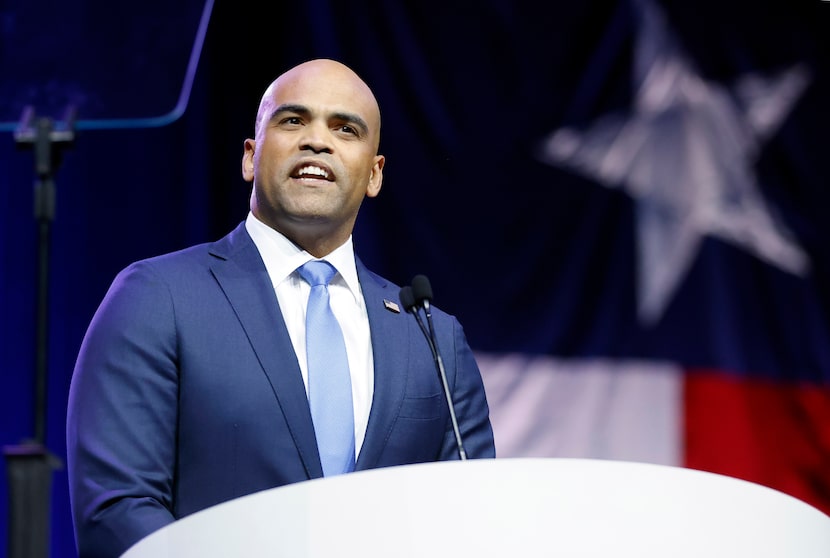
point(346, 129)
point(294, 120)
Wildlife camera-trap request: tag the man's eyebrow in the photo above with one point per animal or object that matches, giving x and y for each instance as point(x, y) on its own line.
point(351, 118)
point(298, 109)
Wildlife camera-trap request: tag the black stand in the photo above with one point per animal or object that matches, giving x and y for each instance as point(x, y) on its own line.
point(30, 464)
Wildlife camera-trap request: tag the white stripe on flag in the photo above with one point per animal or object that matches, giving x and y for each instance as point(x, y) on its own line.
point(596, 409)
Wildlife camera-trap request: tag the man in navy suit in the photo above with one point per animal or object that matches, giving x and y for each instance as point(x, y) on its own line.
point(190, 385)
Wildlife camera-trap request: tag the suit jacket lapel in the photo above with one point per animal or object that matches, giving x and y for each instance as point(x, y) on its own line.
point(388, 331)
point(244, 280)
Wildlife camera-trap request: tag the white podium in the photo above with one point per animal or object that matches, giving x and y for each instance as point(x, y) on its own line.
point(507, 508)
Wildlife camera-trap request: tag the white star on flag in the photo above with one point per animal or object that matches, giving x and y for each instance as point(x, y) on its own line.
point(686, 153)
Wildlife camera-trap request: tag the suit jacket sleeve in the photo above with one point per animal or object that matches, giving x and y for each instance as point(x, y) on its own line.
point(121, 419)
point(469, 400)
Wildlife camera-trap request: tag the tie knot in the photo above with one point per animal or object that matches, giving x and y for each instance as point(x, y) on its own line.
point(317, 272)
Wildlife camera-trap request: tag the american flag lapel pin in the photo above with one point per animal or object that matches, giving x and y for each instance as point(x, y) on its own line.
point(391, 306)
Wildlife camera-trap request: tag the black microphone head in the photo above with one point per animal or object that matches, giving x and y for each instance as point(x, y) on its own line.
point(421, 288)
point(407, 298)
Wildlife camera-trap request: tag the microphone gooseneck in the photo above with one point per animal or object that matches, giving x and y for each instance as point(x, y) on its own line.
point(416, 297)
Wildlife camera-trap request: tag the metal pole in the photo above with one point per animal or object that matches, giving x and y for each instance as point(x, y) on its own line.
point(29, 471)
point(30, 464)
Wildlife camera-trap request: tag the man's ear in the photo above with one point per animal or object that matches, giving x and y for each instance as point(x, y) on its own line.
point(248, 160)
point(376, 177)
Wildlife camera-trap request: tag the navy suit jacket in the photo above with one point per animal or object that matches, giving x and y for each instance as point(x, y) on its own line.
point(187, 393)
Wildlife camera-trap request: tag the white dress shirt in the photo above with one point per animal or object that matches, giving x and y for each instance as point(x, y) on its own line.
point(282, 258)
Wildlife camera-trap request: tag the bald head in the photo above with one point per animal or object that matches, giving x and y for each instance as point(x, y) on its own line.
point(315, 155)
point(332, 79)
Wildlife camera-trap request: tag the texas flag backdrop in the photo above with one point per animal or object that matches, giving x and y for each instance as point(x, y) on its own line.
point(724, 366)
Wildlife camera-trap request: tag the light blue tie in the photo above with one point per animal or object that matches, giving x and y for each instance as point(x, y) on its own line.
point(329, 383)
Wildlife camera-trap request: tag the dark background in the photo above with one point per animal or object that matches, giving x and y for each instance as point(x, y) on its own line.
point(466, 90)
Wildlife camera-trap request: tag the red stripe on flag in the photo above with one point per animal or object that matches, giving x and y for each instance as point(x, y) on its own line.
point(761, 431)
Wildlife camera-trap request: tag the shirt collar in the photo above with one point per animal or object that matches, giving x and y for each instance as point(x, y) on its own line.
point(282, 257)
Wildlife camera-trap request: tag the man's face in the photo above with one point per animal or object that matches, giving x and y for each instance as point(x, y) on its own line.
point(315, 153)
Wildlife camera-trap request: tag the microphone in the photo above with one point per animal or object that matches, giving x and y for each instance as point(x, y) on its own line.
point(413, 298)
point(422, 291)
point(409, 304)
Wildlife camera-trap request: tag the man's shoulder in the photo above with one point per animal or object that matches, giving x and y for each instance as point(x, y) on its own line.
point(196, 256)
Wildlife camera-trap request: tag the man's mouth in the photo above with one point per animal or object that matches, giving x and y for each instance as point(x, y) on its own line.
point(313, 172)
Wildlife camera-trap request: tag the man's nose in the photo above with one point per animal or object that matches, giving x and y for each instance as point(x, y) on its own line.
point(317, 138)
